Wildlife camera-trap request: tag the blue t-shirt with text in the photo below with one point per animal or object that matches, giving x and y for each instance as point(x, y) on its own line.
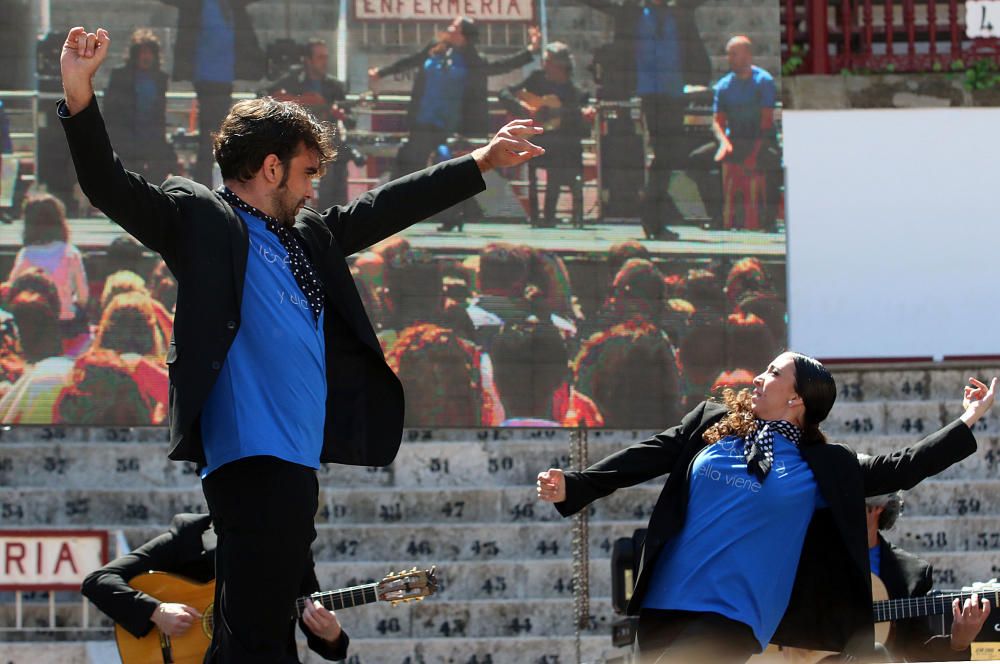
point(270, 396)
point(739, 548)
point(742, 99)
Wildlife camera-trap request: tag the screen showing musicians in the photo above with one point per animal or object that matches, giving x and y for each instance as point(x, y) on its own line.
point(310, 85)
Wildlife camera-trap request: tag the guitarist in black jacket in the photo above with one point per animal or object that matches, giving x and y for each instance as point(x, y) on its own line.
point(759, 533)
point(274, 367)
point(906, 575)
point(188, 550)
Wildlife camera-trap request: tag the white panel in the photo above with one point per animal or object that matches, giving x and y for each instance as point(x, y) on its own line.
point(894, 240)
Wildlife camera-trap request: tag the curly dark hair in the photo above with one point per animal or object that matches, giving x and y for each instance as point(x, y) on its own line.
point(256, 128)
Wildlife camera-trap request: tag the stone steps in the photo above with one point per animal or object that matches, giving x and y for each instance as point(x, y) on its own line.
point(420, 507)
point(440, 650)
point(456, 458)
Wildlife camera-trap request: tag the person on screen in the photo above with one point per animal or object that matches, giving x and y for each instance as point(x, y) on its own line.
point(46, 370)
point(47, 246)
point(550, 96)
point(450, 90)
point(103, 391)
point(441, 377)
point(743, 124)
point(630, 371)
point(659, 53)
point(761, 521)
point(135, 103)
point(529, 364)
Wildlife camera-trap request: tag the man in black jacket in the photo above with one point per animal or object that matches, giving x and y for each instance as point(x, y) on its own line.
point(274, 367)
point(906, 575)
point(188, 550)
point(135, 103)
point(215, 45)
point(450, 91)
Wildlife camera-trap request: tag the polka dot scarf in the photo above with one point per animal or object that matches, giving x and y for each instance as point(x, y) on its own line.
point(758, 448)
point(298, 262)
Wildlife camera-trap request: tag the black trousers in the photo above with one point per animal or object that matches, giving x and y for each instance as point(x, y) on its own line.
point(685, 637)
point(413, 155)
point(663, 116)
point(263, 509)
point(214, 101)
point(557, 177)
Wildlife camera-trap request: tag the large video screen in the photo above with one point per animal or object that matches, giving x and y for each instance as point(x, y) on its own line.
point(635, 268)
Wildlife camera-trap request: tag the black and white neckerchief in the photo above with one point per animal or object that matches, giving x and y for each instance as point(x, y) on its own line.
point(298, 262)
point(758, 447)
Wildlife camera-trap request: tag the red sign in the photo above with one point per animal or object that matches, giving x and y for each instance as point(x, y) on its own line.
point(50, 559)
point(444, 10)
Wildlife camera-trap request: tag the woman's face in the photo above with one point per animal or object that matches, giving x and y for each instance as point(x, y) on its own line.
point(773, 393)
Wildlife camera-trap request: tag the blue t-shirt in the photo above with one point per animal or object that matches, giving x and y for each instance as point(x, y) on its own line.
point(875, 559)
point(270, 396)
point(658, 54)
point(742, 99)
point(215, 58)
point(739, 548)
point(444, 85)
point(145, 101)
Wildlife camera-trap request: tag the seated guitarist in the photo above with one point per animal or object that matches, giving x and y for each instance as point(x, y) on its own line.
point(905, 575)
point(188, 550)
point(323, 95)
point(550, 97)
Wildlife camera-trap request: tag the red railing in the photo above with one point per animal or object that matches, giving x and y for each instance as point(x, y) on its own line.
point(829, 36)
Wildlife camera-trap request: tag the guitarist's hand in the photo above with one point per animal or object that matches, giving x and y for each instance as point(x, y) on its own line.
point(174, 619)
point(968, 620)
point(321, 622)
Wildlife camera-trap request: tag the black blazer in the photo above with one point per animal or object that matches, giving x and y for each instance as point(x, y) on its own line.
point(830, 605)
point(205, 245)
point(905, 575)
point(188, 550)
point(249, 63)
point(475, 103)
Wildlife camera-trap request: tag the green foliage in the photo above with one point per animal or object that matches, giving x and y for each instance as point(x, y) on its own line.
point(795, 60)
point(982, 75)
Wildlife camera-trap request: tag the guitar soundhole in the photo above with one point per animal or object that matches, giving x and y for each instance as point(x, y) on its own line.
point(208, 620)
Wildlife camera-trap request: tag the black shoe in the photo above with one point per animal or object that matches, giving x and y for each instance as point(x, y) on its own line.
point(665, 234)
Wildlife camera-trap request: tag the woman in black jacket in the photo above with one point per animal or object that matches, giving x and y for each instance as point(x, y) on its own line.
point(759, 533)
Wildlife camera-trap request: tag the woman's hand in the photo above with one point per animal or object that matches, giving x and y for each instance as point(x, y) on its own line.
point(977, 400)
point(552, 485)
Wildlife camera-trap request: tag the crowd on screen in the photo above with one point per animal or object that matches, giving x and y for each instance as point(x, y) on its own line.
point(496, 339)
point(73, 351)
point(499, 339)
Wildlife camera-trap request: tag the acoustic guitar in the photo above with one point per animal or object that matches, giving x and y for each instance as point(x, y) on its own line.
point(190, 647)
point(547, 109)
point(886, 611)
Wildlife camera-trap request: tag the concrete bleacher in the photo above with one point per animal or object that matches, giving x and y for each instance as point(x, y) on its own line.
point(464, 500)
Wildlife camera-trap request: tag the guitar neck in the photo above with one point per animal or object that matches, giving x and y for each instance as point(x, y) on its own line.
point(334, 600)
point(928, 605)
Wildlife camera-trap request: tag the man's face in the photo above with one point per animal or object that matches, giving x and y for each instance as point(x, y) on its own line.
point(740, 57)
point(453, 35)
point(555, 70)
point(296, 190)
point(145, 58)
point(316, 61)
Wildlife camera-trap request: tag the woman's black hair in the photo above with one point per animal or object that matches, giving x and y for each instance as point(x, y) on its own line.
point(815, 385)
